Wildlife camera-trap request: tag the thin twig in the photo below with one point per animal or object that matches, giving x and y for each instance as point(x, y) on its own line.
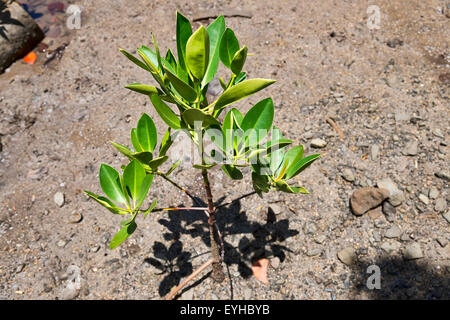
point(174, 292)
point(336, 127)
point(180, 209)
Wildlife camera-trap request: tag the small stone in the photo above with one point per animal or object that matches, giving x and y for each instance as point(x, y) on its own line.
point(405, 237)
point(401, 115)
point(364, 199)
point(61, 243)
point(393, 232)
point(376, 235)
point(411, 148)
point(248, 293)
point(348, 175)
point(442, 241)
point(59, 199)
point(412, 252)
point(275, 262)
point(438, 133)
point(20, 268)
point(314, 252)
point(424, 199)
point(390, 246)
point(440, 205)
point(75, 218)
point(318, 143)
point(396, 196)
point(434, 193)
point(389, 211)
point(375, 213)
point(95, 248)
point(443, 175)
point(397, 199)
point(320, 239)
point(188, 295)
point(347, 255)
point(275, 208)
point(374, 151)
point(310, 228)
point(447, 216)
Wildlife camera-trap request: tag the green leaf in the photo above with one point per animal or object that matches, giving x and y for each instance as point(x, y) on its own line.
point(127, 221)
point(185, 90)
point(283, 186)
point(276, 157)
point(228, 47)
point(143, 157)
point(149, 58)
point(232, 172)
point(143, 191)
point(150, 209)
point(158, 55)
point(151, 55)
point(272, 146)
point(241, 77)
point(239, 60)
point(204, 166)
point(215, 32)
point(173, 167)
point(184, 31)
point(240, 91)
point(197, 53)
point(135, 60)
point(258, 121)
point(294, 155)
point(301, 165)
point(133, 175)
point(110, 184)
point(166, 114)
point(155, 163)
point(108, 204)
point(142, 88)
point(166, 142)
point(124, 150)
point(146, 133)
point(135, 140)
point(122, 235)
point(260, 183)
point(171, 59)
point(192, 115)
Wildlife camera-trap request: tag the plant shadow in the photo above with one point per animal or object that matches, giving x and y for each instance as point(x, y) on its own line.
point(401, 279)
point(5, 18)
point(252, 241)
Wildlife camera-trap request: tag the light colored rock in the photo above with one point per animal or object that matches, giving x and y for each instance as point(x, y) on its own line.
point(434, 193)
point(442, 241)
point(374, 151)
point(390, 246)
point(348, 175)
point(443, 175)
point(248, 293)
point(396, 196)
point(275, 262)
point(347, 255)
point(364, 199)
point(412, 252)
point(411, 148)
point(59, 199)
point(424, 199)
point(318, 143)
point(440, 205)
point(393, 232)
point(447, 216)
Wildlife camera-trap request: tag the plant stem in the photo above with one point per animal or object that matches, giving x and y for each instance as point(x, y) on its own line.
point(174, 292)
point(217, 272)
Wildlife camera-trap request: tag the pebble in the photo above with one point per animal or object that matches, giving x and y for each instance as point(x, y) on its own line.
point(20, 268)
point(310, 228)
point(61, 243)
point(59, 199)
point(440, 205)
point(405, 236)
point(96, 248)
point(438, 133)
point(347, 255)
point(412, 252)
point(275, 262)
point(364, 199)
point(424, 199)
point(393, 232)
point(396, 196)
point(434, 193)
point(320, 239)
point(375, 213)
point(188, 295)
point(447, 216)
point(389, 211)
point(75, 218)
point(314, 252)
point(442, 241)
point(247, 293)
point(318, 143)
point(348, 175)
point(443, 175)
point(374, 151)
point(411, 148)
point(390, 246)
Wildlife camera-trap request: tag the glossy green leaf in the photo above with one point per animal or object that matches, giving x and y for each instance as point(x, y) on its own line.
point(146, 132)
point(204, 166)
point(170, 58)
point(110, 183)
point(258, 121)
point(185, 90)
point(135, 60)
point(197, 53)
point(142, 88)
point(283, 186)
point(276, 157)
point(241, 91)
point(124, 150)
point(143, 190)
point(239, 60)
point(122, 235)
point(301, 165)
point(173, 167)
point(215, 32)
point(127, 221)
point(158, 54)
point(260, 183)
point(105, 202)
point(241, 77)
point(151, 61)
point(293, 155)
point(232, 172)
point(184, 31)
point(190, 116)
point(135, 140)
point(228, 47)
point(166, 114)
point(144, 157)
point(133, 175)
point(150, 209)
point(155, 163)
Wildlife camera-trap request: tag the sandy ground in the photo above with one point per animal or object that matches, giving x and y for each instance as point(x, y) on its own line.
point(386, 86)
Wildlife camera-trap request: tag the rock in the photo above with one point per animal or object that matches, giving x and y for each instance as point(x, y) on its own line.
point(347, 255)
point(412, 252)
point(401, 115)
point(443, 175)
point(95, 248)
point(405, 237)
point(188, 295)
point(411, 148)
point(19, 33)
point(75, 218)
point(320, 239)
point(61, 243)
point(374, 151)
point(310, 228)
point(442, 241)
point(393, 232)
point(20, 268)
point(396, 196)
point(59, 199)
point(447, 216)
point(424, 199)
point(73, 284)
point(433, 193)
point(314, 252)
point(389, 211)
point(318, 143)
point(375, 213)
point(248, 293)
point(364, 199)
point(438, 133)
point(348, 175)
point(440, 205)
point(390, 246)
point(275, 262)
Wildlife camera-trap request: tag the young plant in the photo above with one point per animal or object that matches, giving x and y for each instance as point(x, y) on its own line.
point(239, 140)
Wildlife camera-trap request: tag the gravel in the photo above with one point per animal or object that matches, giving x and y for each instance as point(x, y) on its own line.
point(347, 255)
point(59, 199)
point(412, 252)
